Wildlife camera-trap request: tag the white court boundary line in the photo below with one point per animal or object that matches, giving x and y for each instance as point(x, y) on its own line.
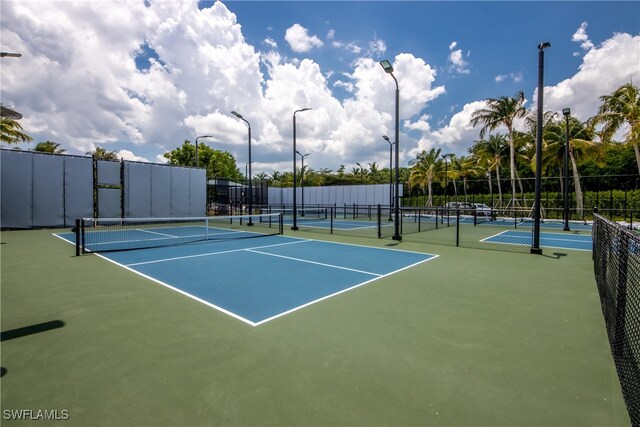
point(284, 313)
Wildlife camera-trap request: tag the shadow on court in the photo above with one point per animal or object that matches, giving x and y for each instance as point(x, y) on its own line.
point(30, 330)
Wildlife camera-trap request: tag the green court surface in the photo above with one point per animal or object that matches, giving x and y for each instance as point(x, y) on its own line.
point(470, 338)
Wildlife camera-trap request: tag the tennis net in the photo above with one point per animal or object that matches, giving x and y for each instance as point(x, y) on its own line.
point(121, 234)
point(616, 263)
point(301, 213)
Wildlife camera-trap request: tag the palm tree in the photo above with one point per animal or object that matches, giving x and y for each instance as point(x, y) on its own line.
point(492, 152)
point(262, 177)
point(101, 154)
point(11, 132)
point(49, 147)
point(463, 167)
point(581, 146)
point(502, 112)
point(374, 171)
point(428, 168)
point(620, 108)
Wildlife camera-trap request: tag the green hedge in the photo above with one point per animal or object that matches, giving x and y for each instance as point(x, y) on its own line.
point(618, 200)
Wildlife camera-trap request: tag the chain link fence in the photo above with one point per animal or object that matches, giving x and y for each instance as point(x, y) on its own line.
point(616, 262)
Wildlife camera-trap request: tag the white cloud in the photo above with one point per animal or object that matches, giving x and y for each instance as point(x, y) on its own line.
point(299, 40)
point(377, 47)
point(454, 137)
point(458, 64)
point(603, 69)
point(331, 34)
point(348, 86)
point(270, 43)
point(128, 155)
point(580, 36)
point(516, 77)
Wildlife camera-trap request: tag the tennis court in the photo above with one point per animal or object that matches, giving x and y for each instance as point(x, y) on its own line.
point(579, 242)
point(252, 279)
point(470, 337)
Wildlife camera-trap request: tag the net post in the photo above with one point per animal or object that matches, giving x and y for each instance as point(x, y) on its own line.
point(77, 233)
point(281, 223)
point(82, 236)
point(457, 227)
point(379, 224)
point(333, 212)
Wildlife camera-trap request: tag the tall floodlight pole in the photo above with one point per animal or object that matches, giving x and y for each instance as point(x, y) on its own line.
point(388, 68)
point(302, 156)
point(249, 165)
point(446, 178)
point(535, 247)
point(567, 113)
point(386, 138)
point(361, 170)
point(295, 207)
point(197, 138)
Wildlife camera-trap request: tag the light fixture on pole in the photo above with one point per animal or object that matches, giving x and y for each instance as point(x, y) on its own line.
point(386, 138)
point(535, 247)
point(295, 207)
point(249, 173)
point(197, 138)
point(10, 55)
point(567, 113)
point(302, 156)
point(388, 68)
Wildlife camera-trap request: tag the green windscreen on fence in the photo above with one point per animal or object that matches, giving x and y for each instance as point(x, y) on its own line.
point(616, 262)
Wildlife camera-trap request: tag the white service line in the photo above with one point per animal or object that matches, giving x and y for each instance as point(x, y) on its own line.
point(314, 262)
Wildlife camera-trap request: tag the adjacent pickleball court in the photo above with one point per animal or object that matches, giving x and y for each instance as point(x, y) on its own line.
point(258, 280)
point(580, 242)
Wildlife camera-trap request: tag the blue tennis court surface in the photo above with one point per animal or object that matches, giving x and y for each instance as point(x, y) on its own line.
point(258, 280)
point(582, 242)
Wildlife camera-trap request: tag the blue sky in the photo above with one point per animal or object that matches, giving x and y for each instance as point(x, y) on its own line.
point(85, 78)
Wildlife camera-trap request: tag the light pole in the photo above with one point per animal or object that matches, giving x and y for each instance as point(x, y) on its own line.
point(302, 156)
point(446, 178)
point(535, 247)
point(249, 165)
point(388, 68)
point(361, 171)
point(567, 114)
point(295, 208)
point(197, 138)
point(386, 138)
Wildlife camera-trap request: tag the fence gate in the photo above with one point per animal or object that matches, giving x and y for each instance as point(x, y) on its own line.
point(108, 189)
